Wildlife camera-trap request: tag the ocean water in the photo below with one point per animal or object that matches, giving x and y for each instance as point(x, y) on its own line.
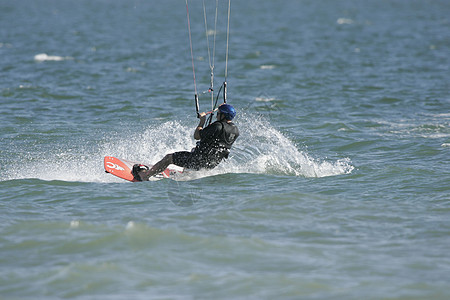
point(338, 187)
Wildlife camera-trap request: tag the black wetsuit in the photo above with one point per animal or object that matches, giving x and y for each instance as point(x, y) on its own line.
point(214, 145)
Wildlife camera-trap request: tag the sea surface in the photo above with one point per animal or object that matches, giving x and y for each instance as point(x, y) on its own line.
point(337, 188)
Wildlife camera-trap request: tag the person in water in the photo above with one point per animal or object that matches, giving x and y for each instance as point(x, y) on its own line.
point(214, 145)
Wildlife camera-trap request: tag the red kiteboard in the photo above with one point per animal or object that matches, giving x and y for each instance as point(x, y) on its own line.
point(122, 168)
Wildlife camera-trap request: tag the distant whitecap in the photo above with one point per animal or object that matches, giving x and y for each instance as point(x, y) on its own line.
point(264, 99)
point(74, 224)
point(131, 70)
point(342, 21)
point(211, 32)
point(44, 57)
point(267, 67)
point(130, 225)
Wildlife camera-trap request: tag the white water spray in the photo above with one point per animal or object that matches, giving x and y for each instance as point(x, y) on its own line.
point(260, 149)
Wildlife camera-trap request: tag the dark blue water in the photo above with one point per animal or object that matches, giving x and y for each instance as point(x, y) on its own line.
point(338, 187)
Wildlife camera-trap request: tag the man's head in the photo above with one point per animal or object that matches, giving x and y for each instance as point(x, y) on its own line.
point(227, 111)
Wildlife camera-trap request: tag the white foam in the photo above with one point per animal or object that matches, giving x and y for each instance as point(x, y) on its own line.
point(264, 99)
point(264, 149)
point(342, 21)
point(74, 224)
point(44, 57)
point(267, 67)
point(211, 32)
point(130, 225)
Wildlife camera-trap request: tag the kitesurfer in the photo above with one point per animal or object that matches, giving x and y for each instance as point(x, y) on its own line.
point(214, 145)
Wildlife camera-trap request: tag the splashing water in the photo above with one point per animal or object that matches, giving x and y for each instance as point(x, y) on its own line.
point(264, 149)
point(260, 149)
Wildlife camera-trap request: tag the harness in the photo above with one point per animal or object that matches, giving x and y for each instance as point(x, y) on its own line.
point(218, 146)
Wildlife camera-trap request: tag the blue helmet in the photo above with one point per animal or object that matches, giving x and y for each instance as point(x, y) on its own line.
point(228, 111)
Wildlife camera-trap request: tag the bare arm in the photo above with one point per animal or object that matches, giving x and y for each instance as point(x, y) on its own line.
point(200, 126)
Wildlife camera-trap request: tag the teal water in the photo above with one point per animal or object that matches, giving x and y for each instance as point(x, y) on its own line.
point(338, 187)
